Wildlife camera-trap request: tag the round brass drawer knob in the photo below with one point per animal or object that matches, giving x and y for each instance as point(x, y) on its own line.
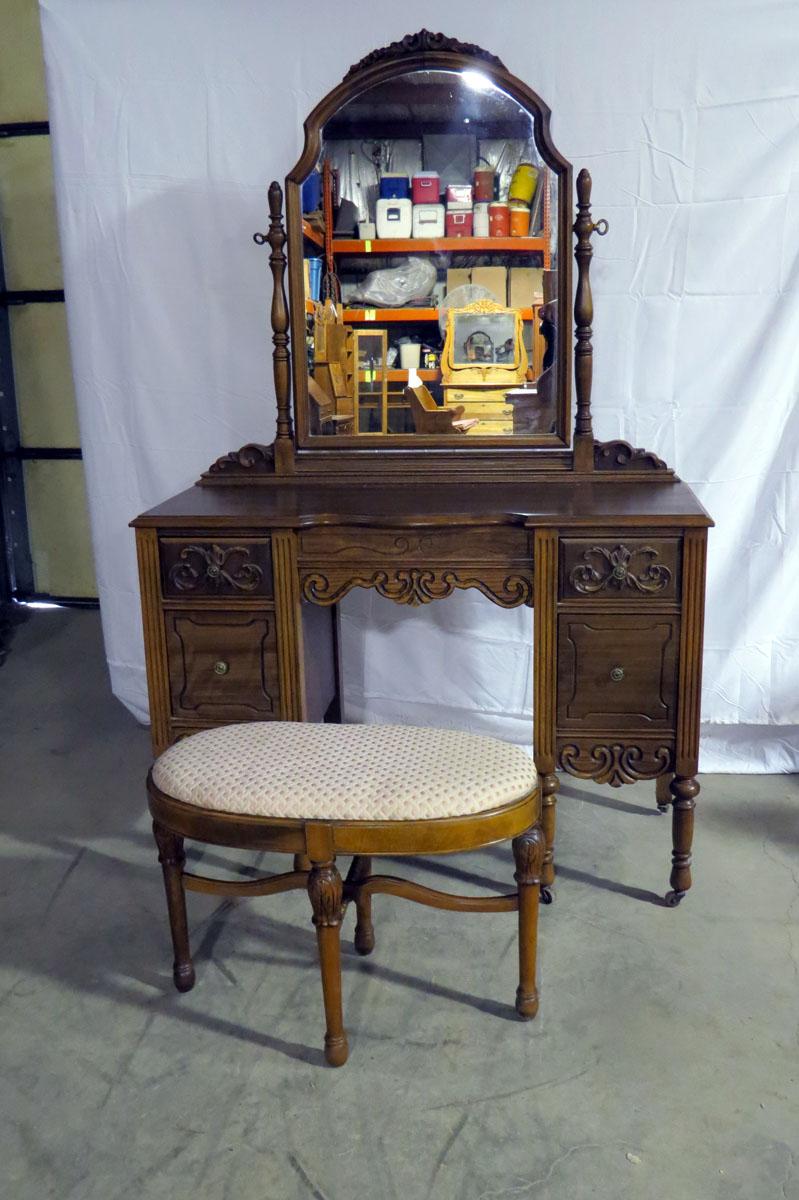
point(221, 667)
point(617, 674)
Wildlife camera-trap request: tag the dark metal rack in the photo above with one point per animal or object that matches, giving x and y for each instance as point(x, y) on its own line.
point(16, 566)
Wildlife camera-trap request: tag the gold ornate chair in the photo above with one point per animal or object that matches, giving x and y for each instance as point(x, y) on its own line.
point(319, 791)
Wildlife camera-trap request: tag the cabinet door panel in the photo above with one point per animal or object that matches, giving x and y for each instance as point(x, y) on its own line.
point(222, 665)
point(617, 671)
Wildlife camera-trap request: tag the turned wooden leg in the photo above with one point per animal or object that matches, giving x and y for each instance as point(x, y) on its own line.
point(528, 851)
point(172, 859)
point(325, 891)
point(302, 862)
point(549, 791)
point(684, 790)
point(361, 868)
point(663, 792)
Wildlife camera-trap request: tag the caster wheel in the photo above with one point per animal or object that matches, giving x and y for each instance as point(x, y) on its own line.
point(673, 899)
point(546, 896)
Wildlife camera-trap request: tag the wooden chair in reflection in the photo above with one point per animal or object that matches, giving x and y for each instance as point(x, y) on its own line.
point(429, 417)
point(333, 413)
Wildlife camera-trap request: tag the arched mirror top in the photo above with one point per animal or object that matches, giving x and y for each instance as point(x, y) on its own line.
point(429, 182)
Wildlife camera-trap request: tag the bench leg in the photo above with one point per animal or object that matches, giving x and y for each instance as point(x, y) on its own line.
point(361, 868)
point(325, 892)
point(528, 853)
point(172, 859)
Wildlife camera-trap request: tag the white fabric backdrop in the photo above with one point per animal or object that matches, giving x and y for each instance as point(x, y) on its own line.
point(169, 119)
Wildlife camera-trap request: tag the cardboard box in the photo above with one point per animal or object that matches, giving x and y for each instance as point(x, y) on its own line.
point(495, 279)
point(525, 286)
point(457, 277)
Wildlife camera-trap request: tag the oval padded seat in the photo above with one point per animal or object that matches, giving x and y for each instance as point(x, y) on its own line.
point(319, 791)
point(311, 771)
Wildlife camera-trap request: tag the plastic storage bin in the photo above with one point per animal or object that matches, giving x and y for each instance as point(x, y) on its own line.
point(481, 219)
point(459, 224)
point(394, 218)
point(499, 220)
point(428, 221)
point(312, 193)
point(394, 187)
point(426, 187)
point(459, 195)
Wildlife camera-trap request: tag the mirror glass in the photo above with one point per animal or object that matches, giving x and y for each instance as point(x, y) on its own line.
point(430, 224)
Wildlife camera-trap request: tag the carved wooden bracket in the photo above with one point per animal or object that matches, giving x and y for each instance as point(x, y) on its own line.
point(615, 569)
point(621, 456)
point(423, 42)
point(252, 459)
point(615, 763)
point(417, 585)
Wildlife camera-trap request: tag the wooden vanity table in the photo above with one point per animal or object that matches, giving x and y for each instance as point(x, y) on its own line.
point(240, 575)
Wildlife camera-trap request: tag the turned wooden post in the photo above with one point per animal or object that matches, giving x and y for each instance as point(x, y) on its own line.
point(663, 792)
point(284, 440)
point(172, 860)
point(360, 869)
point(549, 798)
point(684, 792)
point(584, 227)
point(528, 853)
point(325, 890)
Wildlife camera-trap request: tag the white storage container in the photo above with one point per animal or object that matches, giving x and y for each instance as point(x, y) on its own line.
point(481, 219)
point(394, 218)
point(428, 220)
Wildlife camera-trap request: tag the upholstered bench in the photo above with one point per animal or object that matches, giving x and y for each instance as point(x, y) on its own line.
point(318, 791)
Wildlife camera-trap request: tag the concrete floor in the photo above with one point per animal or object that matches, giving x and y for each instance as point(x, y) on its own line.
point(664, 1062)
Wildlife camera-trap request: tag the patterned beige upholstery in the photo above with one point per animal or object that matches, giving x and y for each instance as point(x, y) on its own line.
point(343, 772)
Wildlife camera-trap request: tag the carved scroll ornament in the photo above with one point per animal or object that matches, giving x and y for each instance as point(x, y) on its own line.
point(615, 764)
point(251, 459)
point(616, 569)
point(202, 565)
point(423, 42)
point(621, 456)
point(416, 585)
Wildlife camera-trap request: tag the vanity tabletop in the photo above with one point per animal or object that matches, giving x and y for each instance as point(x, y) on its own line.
point(293, 505)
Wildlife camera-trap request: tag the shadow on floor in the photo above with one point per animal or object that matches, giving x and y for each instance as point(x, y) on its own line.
point(574, 793)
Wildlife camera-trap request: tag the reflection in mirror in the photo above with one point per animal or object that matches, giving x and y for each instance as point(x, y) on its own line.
point(438, 199)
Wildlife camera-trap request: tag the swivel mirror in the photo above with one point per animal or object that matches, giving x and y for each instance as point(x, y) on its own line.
point(429, 198)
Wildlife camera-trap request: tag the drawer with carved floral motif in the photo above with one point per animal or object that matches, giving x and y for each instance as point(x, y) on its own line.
point(606, 569)
point(207, 568)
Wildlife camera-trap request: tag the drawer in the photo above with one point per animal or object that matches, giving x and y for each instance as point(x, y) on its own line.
point(497, 543)
point(222, 665)
point(215, 567)
point(617, 671)
point(633, 569)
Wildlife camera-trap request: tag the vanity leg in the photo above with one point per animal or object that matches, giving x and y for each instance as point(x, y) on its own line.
point(549, 790)
point(684, 791)
point(663, 792)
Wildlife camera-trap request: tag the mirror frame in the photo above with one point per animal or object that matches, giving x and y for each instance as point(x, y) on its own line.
point(427, 51)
